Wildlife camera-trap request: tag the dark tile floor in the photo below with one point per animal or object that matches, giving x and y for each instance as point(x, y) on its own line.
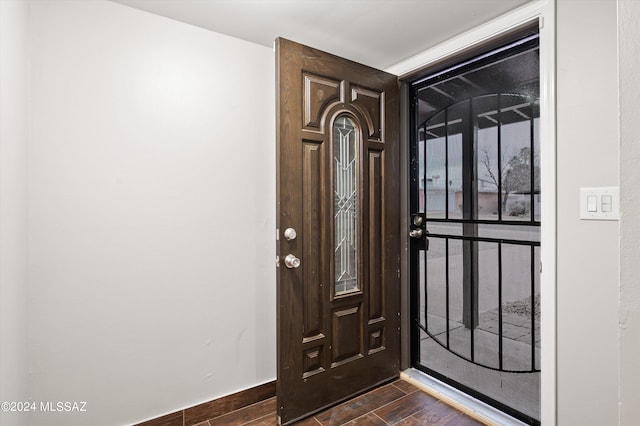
point(397, 403)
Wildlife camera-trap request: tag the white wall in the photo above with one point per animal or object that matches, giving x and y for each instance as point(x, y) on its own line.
point(587, 251)
point(629, 51)
point(13, 205)
point(152, 213)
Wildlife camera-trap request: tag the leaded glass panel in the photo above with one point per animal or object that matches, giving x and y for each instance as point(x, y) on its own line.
point(345, 206)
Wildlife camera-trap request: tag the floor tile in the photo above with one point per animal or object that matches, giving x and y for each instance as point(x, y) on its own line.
point(405, 386)
point(246, 414)
point(309, 421)
point(405, 407)
point(268, 420)
point(461, 419)
point(368, 419)
point(398, 403)
point(411, 421)
point(435, 414)
point(359, 406)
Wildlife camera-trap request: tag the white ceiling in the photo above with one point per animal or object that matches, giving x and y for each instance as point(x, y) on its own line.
point(378, 33)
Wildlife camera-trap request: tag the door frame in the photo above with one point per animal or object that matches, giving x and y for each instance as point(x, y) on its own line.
point(455, 49)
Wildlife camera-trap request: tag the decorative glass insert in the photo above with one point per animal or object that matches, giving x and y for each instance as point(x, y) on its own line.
point(345, 204)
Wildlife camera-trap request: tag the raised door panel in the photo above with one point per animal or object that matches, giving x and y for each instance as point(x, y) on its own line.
point(312, 232)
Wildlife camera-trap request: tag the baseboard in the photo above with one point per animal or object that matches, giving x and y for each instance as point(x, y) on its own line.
point(217, 407)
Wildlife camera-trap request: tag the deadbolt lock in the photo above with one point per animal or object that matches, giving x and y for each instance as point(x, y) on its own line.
point(290, 234)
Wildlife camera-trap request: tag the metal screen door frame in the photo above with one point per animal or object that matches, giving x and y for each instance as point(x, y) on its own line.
point(468, 220)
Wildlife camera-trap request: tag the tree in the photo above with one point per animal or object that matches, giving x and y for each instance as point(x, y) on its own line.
point(515, 175)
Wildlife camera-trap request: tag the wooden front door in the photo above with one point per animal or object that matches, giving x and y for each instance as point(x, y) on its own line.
point(338, 219)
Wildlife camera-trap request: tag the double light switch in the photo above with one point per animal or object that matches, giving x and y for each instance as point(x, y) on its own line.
point(600, 203)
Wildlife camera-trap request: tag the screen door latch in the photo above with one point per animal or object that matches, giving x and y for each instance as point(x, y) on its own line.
point(416, 233)
point(419, 231)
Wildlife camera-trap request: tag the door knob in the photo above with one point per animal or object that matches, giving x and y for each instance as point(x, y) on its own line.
point(290, 261)
point(416, 233)
point(290, 234)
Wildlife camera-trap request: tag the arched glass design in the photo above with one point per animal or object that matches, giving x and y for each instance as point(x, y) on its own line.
point(345, 204)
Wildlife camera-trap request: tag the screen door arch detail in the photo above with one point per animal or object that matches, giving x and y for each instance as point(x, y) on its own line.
point(338, 309)
point(475, 226)
point(496, 182)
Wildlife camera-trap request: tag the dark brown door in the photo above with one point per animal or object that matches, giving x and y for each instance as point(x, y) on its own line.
point(338, 219)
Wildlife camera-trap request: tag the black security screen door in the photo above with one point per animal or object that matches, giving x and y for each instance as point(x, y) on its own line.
point(475, 227)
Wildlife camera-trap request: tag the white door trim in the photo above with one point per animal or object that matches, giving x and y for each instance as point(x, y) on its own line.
point(544, 12)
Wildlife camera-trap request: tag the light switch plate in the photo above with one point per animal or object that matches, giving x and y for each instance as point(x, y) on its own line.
point(611, 210)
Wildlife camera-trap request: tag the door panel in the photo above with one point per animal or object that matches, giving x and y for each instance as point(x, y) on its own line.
point(338, 188)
